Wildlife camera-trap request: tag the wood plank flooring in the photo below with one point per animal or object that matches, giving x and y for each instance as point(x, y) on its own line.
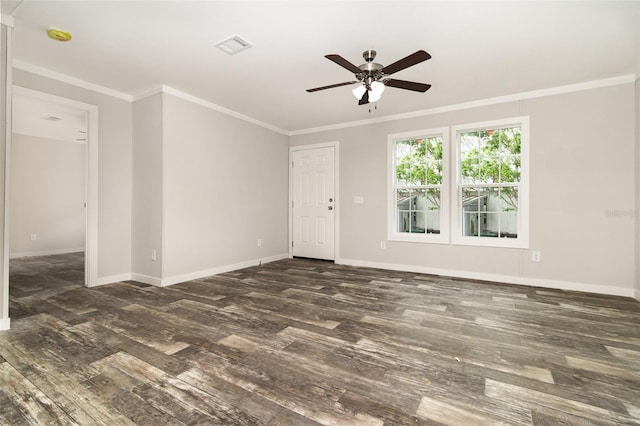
point(302, 342)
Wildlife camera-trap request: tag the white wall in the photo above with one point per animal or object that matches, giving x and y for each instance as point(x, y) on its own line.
point(206, 187)
point(46, 196)
point(225, 186)
point(147, 188)
point(582, 170)
point(637, 182)
point(114, 169)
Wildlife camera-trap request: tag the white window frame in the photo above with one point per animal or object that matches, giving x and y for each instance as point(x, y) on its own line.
point(522, 241)
point(392, 234)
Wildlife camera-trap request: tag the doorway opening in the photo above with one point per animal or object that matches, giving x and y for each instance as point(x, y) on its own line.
point(53, 186)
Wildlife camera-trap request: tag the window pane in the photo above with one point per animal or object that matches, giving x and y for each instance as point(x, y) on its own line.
point(418, 174)
point(404, 161)
point(419, 161)
point(490, 156)
point(510, 169)
point(412, 206)
point(432, 207)
point(433, 173)
point(509, 225)
point(470, 224)
point(508, 140)
point(470, 199)
point(490, 212)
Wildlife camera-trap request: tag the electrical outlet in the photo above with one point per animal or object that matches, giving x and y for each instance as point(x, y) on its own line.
point(535, 256)
point(259, 242)
point(383, 245)
point(154, 256)
point(34, 237)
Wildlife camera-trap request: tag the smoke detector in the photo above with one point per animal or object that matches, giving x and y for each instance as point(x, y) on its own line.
point(58, 35)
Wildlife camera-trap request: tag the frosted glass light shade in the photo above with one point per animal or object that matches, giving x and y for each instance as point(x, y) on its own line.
point(358, 91)
point(374, 94)
point(376, 91)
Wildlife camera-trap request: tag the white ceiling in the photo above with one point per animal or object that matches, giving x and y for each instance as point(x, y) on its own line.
point(480, 50)
point(44, 119)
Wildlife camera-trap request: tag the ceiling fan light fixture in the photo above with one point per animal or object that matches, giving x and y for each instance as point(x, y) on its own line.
point(359, 91)
point(376, 91)
point(374, 94)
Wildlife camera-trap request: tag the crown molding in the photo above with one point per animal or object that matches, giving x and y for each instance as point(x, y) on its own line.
point(44, 72)
point(613, 81)
point(7, 20)
point(207, 104)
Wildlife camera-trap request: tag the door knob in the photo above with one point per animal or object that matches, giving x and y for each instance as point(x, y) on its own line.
point(330, 207)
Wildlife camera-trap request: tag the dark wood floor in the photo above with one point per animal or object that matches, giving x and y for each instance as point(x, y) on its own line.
point(300, 342)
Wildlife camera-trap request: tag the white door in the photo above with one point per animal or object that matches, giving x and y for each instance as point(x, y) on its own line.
point(313, 203)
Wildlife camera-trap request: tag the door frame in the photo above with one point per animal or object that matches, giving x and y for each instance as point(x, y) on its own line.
point(91, 177)
point(336, 182)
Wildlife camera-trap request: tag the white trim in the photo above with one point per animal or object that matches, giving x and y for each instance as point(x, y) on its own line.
point(207, 104)
point(637, 295)
point(5, 323)
point(92, 163)
point(44, 72)
point(46, 252)
point(7, 86)
point(522, 241)
point(149, 92)
point(208, 272)
point(8, 21)
point(505, 279)
point(595, 84)
point(146, 279)
point(392, 234)
point(336, 206)
point(112, 279)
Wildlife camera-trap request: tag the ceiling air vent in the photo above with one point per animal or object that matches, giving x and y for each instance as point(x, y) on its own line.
point(233, 44)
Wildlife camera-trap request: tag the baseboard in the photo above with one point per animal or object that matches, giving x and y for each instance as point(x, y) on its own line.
point(508, 279)
point(221, 269)
point(164, 282)
point(146, 279)
point(111, 279)
point(45, 252)
point(4, 323)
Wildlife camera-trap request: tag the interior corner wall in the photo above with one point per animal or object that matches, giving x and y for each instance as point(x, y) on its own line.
point(147, 190)
point(637, 183)
point(114, 170)
point(225, 187)
point(581, 195)
point(5, 142)
point(47, 196)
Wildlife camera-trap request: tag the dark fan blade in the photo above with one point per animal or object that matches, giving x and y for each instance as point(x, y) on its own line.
point(414, 58)
point(331, 86)
point(343, 63)
point(409, 85)
point(365, 98)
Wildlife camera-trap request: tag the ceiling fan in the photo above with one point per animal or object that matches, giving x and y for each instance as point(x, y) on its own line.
point(374, 77)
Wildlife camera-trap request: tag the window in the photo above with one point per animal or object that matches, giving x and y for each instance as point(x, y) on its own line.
point(491, 169)
point(418, 205)
point(480, 197)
